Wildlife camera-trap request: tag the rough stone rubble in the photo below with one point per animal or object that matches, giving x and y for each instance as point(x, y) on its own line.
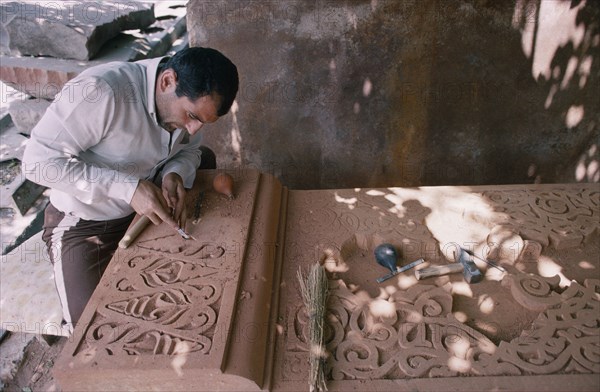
point(42, 46)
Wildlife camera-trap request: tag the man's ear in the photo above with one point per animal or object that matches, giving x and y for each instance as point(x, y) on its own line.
point(167, 80)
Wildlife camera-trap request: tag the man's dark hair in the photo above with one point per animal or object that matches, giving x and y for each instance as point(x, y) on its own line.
point(204, 71)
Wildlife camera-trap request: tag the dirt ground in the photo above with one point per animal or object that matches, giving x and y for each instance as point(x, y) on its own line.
point(35, 372)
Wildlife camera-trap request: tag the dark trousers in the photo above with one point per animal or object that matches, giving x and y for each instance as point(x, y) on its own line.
point(80, 251)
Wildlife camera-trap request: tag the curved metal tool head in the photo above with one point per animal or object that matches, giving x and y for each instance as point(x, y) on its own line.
point(386, 256)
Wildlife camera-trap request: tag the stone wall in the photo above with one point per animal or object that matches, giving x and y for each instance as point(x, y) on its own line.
point(338, 94)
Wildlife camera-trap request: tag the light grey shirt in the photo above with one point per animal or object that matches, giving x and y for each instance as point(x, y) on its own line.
point(100, 136)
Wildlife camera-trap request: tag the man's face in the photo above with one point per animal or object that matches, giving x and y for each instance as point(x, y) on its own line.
point(181, 112)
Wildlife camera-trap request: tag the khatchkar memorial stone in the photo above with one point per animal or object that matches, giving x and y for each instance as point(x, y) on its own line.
point(225, 312)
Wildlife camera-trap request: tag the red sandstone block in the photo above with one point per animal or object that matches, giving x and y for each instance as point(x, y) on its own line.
point(226, 313)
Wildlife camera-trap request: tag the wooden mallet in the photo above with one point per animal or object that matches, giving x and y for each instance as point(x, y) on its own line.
point(438, 270)
point(134, 231)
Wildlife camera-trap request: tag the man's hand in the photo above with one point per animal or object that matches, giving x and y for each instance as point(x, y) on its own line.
point(174, 193)
point(147, 200)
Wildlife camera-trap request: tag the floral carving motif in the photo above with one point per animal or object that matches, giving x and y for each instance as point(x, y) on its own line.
point(131, 339)
point(177, 246)
point(533, 291)
point(165, 306)
point(563, 217)
point(565, 338)
point(159, 271)
point(414, 334)
point(172, 307)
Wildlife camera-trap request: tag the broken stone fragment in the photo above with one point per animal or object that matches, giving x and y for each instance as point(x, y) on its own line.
point(68, 29)
point(26, 195)
point(12, 145)
point(44, 77)
point(26, 114)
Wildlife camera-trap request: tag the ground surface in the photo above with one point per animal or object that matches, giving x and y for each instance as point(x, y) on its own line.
point(35, 372)
point(26, 360)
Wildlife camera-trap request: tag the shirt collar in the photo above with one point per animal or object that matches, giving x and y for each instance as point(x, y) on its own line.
point(151, 71)
point(180, 136)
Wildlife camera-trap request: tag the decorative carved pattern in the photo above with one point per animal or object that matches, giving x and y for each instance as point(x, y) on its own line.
point(377, 339)
point(363, 216)
point(172, 307)
point(175, 245)
point(561, 217)
point(414, 334)
point(328, 216)
point(533, 291)
point(166, 306)
point(565, 338)
point(165, 295)
point(115, 338)
point(160, 271)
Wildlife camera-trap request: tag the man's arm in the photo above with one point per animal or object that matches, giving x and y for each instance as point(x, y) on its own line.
point(51, 157)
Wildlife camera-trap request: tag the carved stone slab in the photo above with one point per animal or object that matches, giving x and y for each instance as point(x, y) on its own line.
point(163, 314)
point(225, 312)
point(516, 330)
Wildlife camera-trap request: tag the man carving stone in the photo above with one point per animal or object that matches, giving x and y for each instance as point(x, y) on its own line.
point(111, 132)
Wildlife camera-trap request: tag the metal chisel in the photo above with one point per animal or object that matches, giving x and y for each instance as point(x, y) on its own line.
point(399, 270)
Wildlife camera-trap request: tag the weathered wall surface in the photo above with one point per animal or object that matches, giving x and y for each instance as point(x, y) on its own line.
point(338, 94)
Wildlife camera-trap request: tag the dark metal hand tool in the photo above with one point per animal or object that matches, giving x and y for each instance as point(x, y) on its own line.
point(386, 255)
point(470, 271)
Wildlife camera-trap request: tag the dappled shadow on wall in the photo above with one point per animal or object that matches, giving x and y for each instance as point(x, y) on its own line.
point(561, 39)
